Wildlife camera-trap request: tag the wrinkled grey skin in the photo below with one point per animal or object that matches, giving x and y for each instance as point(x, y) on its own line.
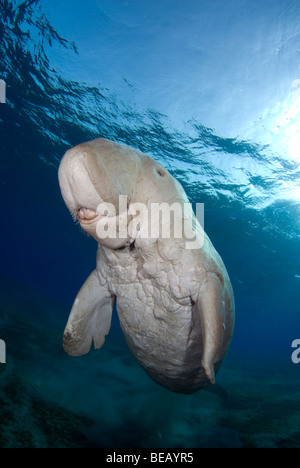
point(175, 305)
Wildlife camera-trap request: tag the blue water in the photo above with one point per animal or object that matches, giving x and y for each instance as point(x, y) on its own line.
point(211, 89)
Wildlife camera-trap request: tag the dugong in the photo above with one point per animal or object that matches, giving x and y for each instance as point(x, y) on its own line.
point(173, 295)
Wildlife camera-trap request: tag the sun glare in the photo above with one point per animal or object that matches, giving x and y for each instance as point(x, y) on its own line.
point(286, 125)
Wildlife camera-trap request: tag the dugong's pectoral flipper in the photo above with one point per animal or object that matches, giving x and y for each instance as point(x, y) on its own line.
point(90, 317)
point(211, 305)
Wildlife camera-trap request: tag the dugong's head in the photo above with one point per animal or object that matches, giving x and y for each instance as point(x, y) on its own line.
point(100, 181)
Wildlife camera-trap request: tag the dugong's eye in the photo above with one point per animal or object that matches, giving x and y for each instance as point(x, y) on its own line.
point(160, 172)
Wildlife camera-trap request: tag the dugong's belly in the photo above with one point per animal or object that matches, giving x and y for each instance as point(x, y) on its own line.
point(166, 340)
point(162, 332)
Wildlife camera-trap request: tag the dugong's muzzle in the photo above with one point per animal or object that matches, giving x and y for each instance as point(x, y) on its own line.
point(91, 194)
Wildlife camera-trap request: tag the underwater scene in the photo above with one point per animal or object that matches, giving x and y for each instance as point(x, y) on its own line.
point(211, 91)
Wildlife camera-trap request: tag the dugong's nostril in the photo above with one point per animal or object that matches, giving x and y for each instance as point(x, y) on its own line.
point(160, 172)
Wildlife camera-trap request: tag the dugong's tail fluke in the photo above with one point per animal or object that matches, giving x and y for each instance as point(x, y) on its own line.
point(90, 318)
point(211, 305)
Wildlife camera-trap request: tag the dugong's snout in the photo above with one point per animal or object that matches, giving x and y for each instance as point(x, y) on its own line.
point(76, 186)
point(78, 190)
point(90, 192)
